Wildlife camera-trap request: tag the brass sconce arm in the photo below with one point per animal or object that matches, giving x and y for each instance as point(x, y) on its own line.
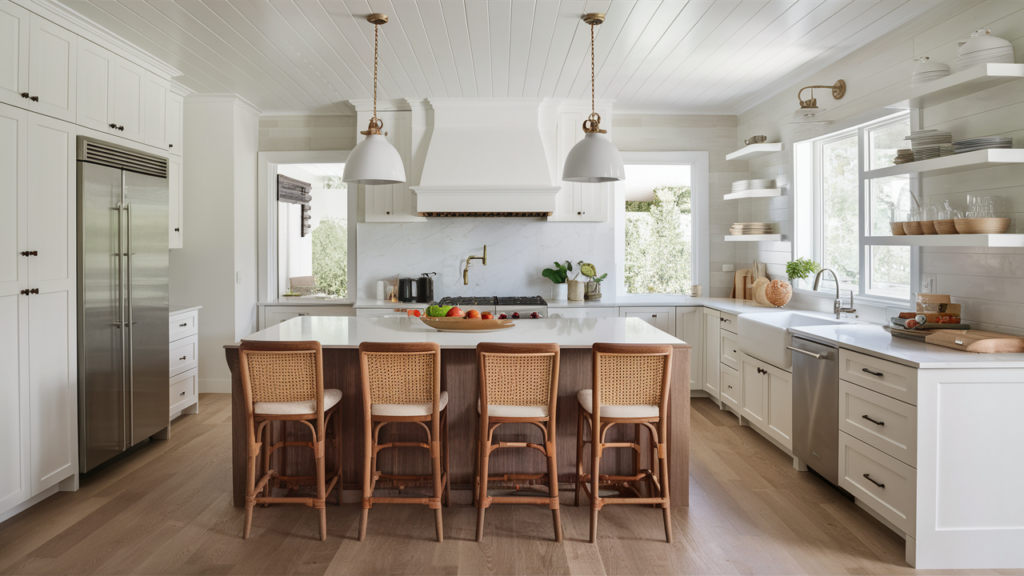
point(838, 91)
point(465, 271)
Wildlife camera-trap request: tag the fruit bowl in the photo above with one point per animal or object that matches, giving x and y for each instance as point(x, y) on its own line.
point(460, 324)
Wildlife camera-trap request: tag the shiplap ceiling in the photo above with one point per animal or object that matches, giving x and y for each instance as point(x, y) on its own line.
point(310, 56)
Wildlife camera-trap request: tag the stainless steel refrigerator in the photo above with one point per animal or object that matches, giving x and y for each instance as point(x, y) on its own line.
point(123, 345)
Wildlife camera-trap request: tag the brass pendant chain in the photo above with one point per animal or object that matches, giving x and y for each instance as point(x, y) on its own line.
point(375, 29)
point(593, 107)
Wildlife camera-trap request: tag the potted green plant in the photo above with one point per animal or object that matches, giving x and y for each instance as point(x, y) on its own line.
point(593, 281)
point(801, 269)
point(559, 275)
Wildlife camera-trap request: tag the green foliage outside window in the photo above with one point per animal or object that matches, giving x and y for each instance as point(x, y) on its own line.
point(658, 243)
point(330, 257)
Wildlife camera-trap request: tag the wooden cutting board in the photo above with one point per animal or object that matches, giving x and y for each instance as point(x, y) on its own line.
point(978, 341)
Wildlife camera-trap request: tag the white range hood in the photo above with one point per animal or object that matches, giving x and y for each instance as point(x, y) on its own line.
point(489, 157)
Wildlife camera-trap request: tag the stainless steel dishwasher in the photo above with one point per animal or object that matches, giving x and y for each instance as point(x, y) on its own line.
point(816, 406)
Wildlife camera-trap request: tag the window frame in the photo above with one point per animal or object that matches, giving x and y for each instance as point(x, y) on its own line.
point(266, 217)
point(809, 237)
point(700, 231)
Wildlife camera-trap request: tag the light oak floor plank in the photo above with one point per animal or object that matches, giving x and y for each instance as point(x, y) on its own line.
point(167, 509)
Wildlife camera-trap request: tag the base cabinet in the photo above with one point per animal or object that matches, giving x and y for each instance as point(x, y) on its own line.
point(661, 318)
point(690, 329)
point(732, 385)
point(183, 334)
point(712, 351)
point(271, 315)
point(767, 399)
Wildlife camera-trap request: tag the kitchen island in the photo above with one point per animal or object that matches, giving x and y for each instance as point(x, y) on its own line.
point(340, 338)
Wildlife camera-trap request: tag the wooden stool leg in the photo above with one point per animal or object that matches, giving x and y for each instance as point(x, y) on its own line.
point(447, 464)
point(579, 455)
point(338, 439)
point(666, 507)
point(321, 488)
point(368, 459)
point(435, 463)
point(267, 443)
point(485, 457)
point(595, 473)
point(556, 516)
point(250, 492)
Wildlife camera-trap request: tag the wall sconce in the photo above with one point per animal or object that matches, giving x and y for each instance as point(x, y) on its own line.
point(809, 108)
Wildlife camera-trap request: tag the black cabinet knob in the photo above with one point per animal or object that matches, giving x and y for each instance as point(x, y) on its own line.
point(114, 126)
point(24, 94)
point(34, 98)
point(170, 145)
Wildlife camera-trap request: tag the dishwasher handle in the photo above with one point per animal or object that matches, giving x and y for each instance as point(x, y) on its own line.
point(806, 353)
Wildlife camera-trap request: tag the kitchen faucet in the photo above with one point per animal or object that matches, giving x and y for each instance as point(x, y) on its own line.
point(837, 304)
point(465, 271)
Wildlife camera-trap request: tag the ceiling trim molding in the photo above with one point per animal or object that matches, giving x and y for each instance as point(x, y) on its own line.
point(65, 17)
point(180, 89)
point(225, 98)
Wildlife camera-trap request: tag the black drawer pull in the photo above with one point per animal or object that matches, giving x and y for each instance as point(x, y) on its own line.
point(34, 98)
point(879, 374)
point(183, 357)
point(182, 394)
point(872, 420)
point(182, 325)
point(872, 480)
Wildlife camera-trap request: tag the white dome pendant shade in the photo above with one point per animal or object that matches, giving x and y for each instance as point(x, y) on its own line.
point(374, 161)
point(594, 158)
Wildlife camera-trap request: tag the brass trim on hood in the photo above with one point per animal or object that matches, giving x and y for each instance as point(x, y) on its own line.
point(484, 214)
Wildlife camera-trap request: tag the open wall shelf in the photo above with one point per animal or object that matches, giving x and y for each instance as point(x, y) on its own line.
point(757, 193)
point(753, 238)
point(755, 150)
point(977, 160)
point(960, 84)
point(950, 240)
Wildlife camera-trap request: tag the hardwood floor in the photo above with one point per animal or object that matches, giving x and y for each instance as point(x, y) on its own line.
point(167, 510)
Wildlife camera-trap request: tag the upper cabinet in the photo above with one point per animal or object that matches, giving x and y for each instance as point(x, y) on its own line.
point(173, 123)
point(127, 96)
point(394, 202)
point(37, 63)
point(155, 113)
point(95, 87)
point(577, 202)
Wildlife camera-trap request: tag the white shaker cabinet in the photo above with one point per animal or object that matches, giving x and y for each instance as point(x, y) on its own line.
point(690, 329)
point(37, 63)
point(766, 399)
point(577, 202)
point(128, 99)
point(712, 351)
point(176, 206)
point(174, 123)
point(661, 318)
point(14, 32)
point(394, 202)
point(95, 87)
point(155, 124)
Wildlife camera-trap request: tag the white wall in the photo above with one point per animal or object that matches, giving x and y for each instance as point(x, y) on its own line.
point(220, 211)
point(988, 282)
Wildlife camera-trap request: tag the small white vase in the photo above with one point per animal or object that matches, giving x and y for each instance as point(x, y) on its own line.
point(560, 291)
point(577, 290)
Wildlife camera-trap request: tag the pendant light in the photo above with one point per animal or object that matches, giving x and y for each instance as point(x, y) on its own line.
point(595, 158)
point(374, 161)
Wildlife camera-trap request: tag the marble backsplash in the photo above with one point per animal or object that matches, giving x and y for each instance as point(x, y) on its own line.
point(518, 249)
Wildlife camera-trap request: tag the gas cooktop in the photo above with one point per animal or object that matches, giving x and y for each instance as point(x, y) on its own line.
point(492, 301)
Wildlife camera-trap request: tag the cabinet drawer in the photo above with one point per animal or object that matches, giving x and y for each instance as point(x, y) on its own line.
point(184, 390)
point(184, 355)
point(883, 483)
point(729, 322)
point(730, 383)
point(182, 325)
point(880, 421)
point(730, 350)
point(882, 376)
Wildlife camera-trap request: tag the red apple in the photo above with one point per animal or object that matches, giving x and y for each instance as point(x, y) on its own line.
point(502, 317)
point(455, 312)
point(473, 314)
point(486, 316)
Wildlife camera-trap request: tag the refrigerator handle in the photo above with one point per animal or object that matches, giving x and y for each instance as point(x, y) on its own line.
point(130, 324)
point(120, 314)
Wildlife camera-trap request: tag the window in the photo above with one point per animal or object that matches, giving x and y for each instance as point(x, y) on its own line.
point(836, 206)
point(314, 262)
point(658, 223)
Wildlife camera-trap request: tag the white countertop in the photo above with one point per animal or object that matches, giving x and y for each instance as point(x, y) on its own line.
point(181, 309)
point(349, 332)
point(873, 340)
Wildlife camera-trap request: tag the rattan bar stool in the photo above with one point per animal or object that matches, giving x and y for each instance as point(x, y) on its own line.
point(283, 382)
point(402, 383)
point(631, 386)
point(518, 383)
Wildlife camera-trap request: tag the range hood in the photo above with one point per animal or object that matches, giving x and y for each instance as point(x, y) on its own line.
point(489, 158)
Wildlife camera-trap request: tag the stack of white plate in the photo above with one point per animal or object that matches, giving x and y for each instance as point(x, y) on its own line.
point(924, 138)
point(929, 152)
point(983, 143)
point(984, 48)
point(761, 184)
point(751, 228)
point(927, 71)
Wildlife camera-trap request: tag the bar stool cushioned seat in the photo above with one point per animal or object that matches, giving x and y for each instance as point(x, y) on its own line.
point(586, 398)
point(409, 409)
point(331, 397)
point(512, 411)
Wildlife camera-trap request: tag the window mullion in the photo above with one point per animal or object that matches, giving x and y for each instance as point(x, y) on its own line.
point(862, 212)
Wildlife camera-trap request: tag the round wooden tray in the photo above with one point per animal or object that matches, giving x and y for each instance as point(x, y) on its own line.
point(467, 324)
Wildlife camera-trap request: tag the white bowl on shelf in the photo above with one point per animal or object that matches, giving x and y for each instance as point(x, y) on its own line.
point(982, 40)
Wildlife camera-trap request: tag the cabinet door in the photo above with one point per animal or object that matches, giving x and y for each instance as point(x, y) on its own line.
point(712, 351)
point(779, 417)
point(14, 33)
point(661, 318)
point(690, 329)
point(173, 128)
point(52, 70)
point(752, 396)
point(129, 92)
point(95, 80)
point(567, 201)
point(175, 208)
point(730, 350)
point(14, 390)
point(731, 387)
point(594, 202)
point(155, 111)
point(51, 205)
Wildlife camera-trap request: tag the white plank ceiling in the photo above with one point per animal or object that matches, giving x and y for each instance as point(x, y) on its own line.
point(310, 56)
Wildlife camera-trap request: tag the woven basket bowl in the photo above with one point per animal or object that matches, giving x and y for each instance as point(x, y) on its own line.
point(466, 324)
point(945, 227)
point(897, 229)
point(928, 226)
point(913, 228)
point(981, 225)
